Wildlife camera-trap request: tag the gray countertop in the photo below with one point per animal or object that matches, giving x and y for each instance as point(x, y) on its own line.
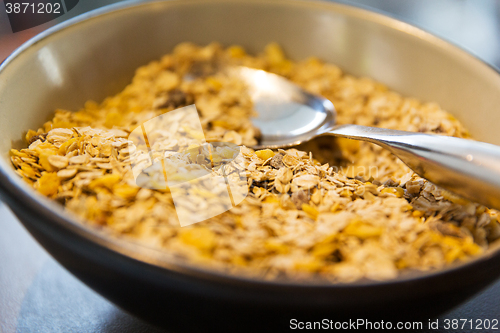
point(38, 295)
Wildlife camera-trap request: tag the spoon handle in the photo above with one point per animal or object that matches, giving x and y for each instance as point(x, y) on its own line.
point(465, 167)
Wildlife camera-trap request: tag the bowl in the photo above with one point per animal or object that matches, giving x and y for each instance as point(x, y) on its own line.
point(95, 55)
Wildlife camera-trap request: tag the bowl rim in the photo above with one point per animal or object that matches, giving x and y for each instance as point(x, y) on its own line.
point(17, 192)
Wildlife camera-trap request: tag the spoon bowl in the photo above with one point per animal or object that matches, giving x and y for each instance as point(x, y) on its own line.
point(287, 115)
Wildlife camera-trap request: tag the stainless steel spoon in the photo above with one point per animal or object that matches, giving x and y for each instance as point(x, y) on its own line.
point(288, 116)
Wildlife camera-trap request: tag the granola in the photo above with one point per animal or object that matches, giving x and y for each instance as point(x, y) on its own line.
point(339, 210)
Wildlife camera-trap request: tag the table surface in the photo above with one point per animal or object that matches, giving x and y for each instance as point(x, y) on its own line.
point(37, 294)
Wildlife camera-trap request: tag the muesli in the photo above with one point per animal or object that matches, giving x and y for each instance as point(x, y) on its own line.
point(335, 209)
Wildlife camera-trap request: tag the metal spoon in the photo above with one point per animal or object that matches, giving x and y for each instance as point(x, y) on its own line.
point(288, 116)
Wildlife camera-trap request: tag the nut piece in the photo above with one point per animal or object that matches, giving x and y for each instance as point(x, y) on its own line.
point(299, 198)
point(175, 99)
point(277, 161)
point(40, 137)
